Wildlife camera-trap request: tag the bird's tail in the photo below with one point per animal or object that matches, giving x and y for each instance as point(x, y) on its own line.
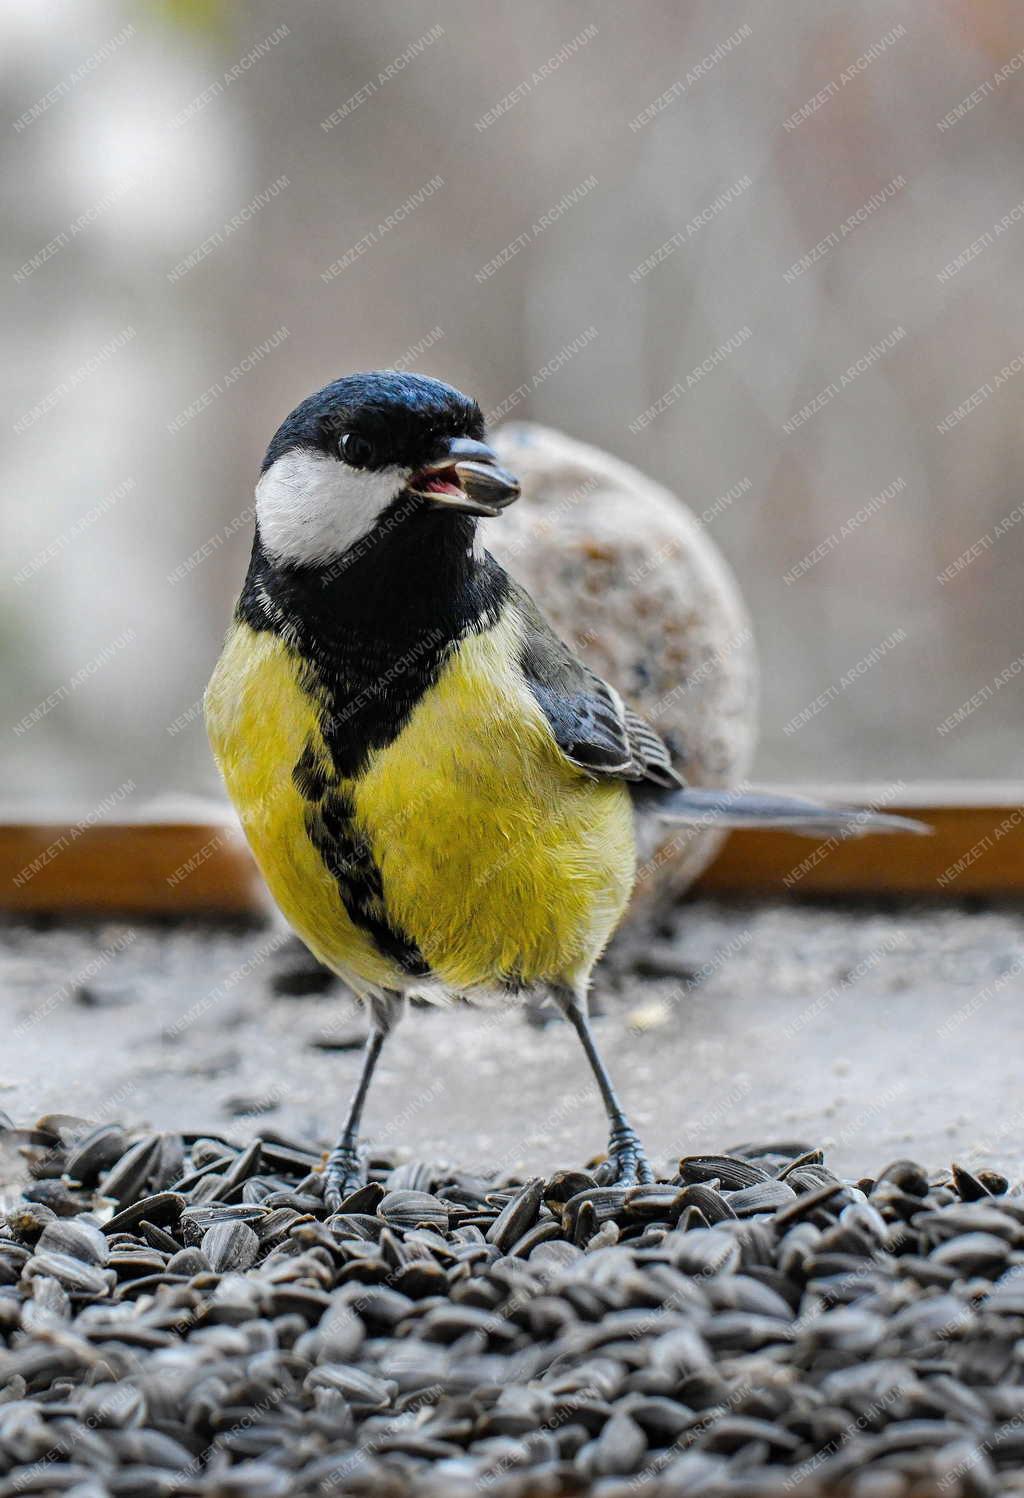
point(698, 807)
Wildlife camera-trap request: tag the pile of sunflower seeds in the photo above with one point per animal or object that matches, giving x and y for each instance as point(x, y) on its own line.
point(178, 1316)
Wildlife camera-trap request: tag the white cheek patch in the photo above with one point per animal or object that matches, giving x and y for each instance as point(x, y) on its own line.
point(311, 507)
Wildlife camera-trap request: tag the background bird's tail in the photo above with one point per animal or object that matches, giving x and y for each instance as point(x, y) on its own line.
point(698, 807)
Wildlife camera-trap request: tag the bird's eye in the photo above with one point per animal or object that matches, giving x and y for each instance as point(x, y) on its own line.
point(355, 450)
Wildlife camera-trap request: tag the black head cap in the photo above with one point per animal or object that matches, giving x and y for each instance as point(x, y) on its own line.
point(402, 418)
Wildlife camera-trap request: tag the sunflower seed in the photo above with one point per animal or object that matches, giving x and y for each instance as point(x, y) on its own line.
point(79, 1240)
point(731, 1172)
point(452, 1326)
point(72, 1273)
point(362, 1390)
point(765, 1196)
point(96, 1151)
point(907, 1176)
point(711, 1204)
point(166, 1206)
point(705, 1252)
point(126, 1181)
point(230, 1246)
point(619, 1449)
point(518, 1214)
point(409, 1208)
point(973, 1253)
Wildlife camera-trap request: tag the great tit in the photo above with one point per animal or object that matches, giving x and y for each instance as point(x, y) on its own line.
point(439, 794)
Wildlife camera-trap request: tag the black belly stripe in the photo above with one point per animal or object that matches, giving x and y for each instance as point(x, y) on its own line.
point(330, 827)
point(367, 709)
point(371, 638)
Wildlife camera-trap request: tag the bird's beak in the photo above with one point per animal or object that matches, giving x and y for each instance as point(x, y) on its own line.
point(465, 476)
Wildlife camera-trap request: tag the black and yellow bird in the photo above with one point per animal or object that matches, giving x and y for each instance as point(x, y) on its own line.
point(439, 794)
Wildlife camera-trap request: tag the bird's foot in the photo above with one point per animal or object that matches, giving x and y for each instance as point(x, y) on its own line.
point(344, 1173)
point(627, 1165)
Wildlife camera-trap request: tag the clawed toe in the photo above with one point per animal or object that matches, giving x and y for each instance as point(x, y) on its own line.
point(343, 1174)
point(627, 1165)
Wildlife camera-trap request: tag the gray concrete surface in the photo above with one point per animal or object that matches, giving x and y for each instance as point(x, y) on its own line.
point(876, 1032)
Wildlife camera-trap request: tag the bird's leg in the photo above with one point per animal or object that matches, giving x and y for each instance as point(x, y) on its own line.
point(625, 1152)
point(344, 1171)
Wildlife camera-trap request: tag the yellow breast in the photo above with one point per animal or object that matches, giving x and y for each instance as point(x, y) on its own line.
point(260, 716)
point(497, 856)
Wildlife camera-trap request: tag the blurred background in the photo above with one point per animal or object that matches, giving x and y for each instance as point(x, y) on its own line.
point(797, 230)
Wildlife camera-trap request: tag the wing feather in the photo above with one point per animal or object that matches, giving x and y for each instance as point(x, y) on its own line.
point(593, 727)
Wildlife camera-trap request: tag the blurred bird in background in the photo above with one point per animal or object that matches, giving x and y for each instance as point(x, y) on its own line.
point(440, 795)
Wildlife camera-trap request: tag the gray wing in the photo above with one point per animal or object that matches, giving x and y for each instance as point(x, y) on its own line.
point(592, 726)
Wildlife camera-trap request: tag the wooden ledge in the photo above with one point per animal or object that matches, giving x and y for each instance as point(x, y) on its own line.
point(976, 847)
point(199, 866)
